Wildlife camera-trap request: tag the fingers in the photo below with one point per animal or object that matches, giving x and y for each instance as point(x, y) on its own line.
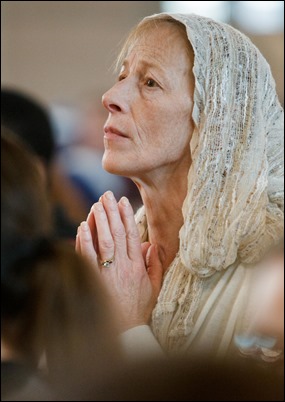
point(144, 247)
point(105, 239)
point(154, 268)
point(77, 243)
point(114, 218)
point(92, 225)
point(85, 243)
point(116, 228)
point(134, 249)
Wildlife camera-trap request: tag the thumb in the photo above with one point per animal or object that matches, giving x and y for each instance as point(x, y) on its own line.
point(144, 247)
point(154, 268)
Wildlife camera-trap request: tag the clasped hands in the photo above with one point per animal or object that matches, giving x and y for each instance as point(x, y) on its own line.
point(132, 272)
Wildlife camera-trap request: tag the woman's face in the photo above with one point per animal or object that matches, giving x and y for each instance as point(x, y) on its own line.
point(149, 125)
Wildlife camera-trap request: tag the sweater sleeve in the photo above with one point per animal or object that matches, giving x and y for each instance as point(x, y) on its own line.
point(139, 342)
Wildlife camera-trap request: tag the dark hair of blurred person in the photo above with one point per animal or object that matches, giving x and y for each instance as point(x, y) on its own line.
point(182, 379)
point(52, 302)
point(29, 119)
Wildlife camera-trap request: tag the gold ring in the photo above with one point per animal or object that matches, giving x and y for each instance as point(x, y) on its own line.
point(107, 263)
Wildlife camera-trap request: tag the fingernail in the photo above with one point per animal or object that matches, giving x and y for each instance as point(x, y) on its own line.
point(109, 195)
point(98, 206)
point(125, 201)
point(148, 255)
point(100, 199)
point(84, 226)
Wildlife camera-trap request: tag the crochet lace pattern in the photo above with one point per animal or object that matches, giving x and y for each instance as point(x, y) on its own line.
point(235, 200)
point(234, 205)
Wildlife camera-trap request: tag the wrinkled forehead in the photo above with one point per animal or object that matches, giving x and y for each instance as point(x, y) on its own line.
point(161, 38)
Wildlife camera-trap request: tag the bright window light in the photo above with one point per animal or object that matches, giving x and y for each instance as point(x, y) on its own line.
point(219, 10)
point(260, 17)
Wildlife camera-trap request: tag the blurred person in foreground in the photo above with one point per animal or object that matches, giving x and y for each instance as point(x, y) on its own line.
point(24, 114)
point(194, 120)
point(53, 305)
point(181, 379)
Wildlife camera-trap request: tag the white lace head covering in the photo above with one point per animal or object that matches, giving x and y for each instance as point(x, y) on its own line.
point(233, 208)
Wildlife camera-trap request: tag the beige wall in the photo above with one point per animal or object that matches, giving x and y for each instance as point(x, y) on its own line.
point(63, 50)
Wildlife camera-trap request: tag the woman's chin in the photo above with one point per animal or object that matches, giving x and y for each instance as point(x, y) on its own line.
point(112, 166)
point(117, 163)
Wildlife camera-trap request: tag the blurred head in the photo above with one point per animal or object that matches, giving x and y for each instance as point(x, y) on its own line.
point(25, 208)
point(52, 301)
point(29, 120)
point(149, 124)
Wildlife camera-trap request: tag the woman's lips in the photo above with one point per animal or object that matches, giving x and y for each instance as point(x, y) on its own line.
point(112, 133)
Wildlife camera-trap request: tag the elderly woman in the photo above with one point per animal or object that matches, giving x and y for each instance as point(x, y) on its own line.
point(195, 122)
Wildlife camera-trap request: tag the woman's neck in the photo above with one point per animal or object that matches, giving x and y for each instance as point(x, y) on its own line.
point(163, 196)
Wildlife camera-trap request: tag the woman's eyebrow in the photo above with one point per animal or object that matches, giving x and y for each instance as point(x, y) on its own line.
point(146, 64)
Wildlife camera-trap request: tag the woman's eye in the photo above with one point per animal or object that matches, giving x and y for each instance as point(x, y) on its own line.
point(151, 83)
point(121, 77)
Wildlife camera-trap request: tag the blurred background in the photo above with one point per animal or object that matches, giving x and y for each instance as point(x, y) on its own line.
point(62, 53)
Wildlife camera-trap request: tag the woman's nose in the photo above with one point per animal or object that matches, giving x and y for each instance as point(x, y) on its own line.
point(116, 99)
point(109, 103)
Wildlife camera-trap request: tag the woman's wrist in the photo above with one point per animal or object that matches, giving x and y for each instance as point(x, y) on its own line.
point(126, 325)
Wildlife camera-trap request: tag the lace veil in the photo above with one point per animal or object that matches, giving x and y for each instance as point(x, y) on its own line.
point(234, 205)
